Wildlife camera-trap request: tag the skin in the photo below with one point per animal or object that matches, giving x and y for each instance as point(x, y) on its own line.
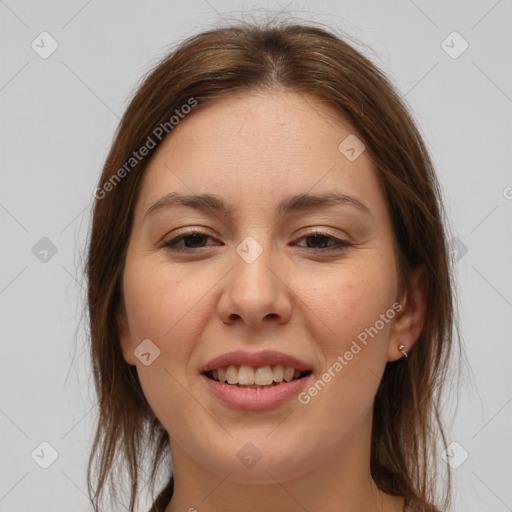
point(293, 298)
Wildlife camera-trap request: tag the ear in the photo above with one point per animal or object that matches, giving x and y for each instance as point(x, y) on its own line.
point(411, 317)
point(125, 337)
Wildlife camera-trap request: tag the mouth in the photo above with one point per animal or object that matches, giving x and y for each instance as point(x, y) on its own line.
point(262, 377)
point(256, 381)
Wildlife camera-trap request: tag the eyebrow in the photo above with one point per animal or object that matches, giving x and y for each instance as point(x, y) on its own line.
point(295, 203)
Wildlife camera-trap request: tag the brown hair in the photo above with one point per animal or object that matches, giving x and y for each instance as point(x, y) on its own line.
point(307, 59)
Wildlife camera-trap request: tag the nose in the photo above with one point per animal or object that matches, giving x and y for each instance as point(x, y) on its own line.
point(256, 291)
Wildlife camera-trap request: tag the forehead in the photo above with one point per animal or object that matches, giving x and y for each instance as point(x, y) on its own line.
point(259, 147)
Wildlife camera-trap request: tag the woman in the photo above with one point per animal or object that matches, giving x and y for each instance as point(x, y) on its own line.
point(269, 292)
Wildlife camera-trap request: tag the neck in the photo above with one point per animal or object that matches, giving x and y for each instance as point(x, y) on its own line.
point(342, 482)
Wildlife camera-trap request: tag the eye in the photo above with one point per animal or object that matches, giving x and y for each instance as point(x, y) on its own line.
point(192, 240)
point(322, 239)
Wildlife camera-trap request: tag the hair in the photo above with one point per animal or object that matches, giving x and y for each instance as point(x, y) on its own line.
point(302, 58)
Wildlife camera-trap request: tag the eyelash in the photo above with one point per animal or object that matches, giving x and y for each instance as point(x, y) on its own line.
point(172, 244)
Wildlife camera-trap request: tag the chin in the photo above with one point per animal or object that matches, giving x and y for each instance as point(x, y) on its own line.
point(257, 460)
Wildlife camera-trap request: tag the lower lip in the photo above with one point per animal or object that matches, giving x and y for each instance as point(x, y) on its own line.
point(256, 399)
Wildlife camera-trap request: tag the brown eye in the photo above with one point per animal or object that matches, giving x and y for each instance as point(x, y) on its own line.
point(318, 238)
point(192, 241)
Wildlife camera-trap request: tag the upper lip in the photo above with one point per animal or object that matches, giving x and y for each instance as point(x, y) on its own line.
point(256, 360)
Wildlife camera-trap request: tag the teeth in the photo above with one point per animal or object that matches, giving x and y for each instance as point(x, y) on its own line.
point(288, 374)
point(255, 377)
point(246, 375)
point(232, 375)
point(263, 376)
point(278, 373)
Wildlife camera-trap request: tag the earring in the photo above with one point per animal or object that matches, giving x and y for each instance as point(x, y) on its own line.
point(402, 349)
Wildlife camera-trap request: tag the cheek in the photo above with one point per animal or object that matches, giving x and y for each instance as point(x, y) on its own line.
point(353, 349)
point(166, 306)
point(163, 308)
point(162, 303)
point(346, 301)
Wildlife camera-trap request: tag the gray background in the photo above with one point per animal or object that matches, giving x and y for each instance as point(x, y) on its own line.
point(58, 118)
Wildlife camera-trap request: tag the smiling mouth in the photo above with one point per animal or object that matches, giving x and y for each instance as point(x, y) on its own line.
point(248, 377)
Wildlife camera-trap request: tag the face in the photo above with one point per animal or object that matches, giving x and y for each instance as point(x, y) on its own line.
point(314, 281)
